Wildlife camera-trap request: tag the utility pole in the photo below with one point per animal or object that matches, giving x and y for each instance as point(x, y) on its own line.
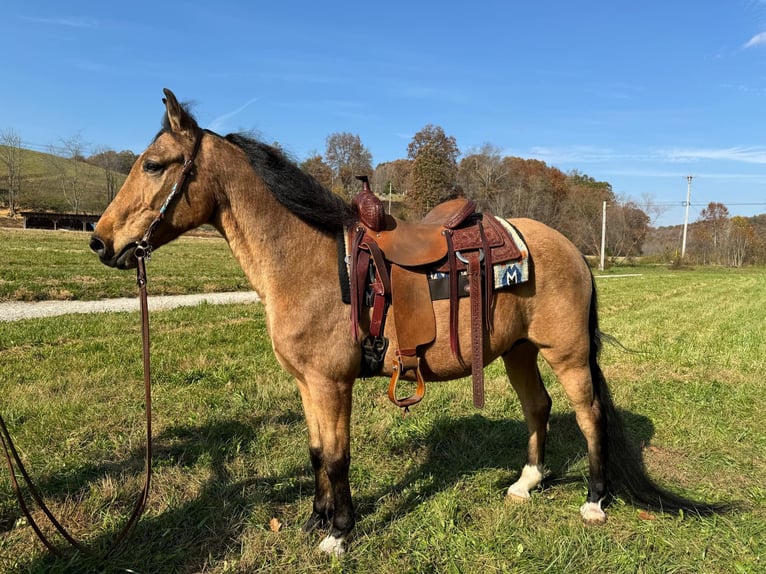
point(686, 217)
point(603, 236)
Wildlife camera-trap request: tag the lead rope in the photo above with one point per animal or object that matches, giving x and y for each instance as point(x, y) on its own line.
point(15, 463)
point(142, 252)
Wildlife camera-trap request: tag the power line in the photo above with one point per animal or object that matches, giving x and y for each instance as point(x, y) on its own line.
point(683, 204)
point(57, 149)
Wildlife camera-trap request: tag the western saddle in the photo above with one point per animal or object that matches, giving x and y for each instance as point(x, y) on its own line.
point(390, 263)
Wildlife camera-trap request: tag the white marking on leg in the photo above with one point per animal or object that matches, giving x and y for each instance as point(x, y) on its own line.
point(333, 546)
point(592, 513)
point(531, 477)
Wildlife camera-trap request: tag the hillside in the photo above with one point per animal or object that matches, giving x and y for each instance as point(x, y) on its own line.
point(51, 182)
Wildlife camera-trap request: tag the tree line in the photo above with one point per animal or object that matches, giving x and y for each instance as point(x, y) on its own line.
point(717, 238)
point(434, 170)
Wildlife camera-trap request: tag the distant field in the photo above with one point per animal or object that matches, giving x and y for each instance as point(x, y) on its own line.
point(40, 265)
point(231, 451)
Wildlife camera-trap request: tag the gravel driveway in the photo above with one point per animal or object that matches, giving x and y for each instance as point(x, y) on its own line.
point(18, 310)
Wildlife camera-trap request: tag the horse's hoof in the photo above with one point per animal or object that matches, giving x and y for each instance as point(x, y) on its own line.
point(517, 495)
point(333, 546)
point(592, 514)
point(531, 477)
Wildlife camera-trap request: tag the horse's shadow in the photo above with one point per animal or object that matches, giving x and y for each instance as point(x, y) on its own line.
point(189, 534)
point(459, 447)
point(184, 537)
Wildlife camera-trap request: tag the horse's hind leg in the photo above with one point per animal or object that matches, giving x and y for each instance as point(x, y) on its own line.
point(521, 366)
point(572, 368)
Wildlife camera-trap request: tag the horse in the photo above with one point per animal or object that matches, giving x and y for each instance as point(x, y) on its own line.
point(279, 221)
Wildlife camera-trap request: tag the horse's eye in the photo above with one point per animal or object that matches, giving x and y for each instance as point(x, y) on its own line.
point(153, 167)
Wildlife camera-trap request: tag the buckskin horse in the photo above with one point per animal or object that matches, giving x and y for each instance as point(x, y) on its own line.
point(278, 221)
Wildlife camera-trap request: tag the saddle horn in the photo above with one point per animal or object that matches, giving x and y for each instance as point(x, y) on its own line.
point(368, 206)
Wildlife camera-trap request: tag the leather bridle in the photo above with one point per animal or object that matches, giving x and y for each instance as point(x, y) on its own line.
point(143, 247)
point(142, 252)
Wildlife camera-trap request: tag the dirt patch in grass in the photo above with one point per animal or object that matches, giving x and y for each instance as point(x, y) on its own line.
point(24, 294)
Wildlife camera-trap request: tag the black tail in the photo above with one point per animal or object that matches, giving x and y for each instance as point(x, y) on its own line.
point(623, 462)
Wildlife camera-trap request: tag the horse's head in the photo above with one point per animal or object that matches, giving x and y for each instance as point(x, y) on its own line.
point(148, 186)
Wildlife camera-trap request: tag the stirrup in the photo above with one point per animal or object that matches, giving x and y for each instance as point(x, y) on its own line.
point(420, 391)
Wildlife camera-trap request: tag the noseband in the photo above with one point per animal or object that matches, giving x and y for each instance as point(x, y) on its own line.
point(142, 252)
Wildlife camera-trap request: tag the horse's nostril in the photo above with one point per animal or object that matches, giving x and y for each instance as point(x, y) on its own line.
point(97, 245)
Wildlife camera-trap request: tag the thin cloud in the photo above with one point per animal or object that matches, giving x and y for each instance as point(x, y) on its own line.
point(581, 154)
point(744, 88)
point(740, 154)
point(429, 93)
point(757, 40)
point(90, 66)
point(68, 22)
point(577, 154)
point(218, 122)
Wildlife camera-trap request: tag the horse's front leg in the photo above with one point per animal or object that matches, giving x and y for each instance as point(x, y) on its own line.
point(322, 510)
point(327, 405)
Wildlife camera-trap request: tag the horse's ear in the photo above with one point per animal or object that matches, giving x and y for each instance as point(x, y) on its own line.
point(178, 118)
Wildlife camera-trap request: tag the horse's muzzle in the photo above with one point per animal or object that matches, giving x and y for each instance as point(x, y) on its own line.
point(125, 259)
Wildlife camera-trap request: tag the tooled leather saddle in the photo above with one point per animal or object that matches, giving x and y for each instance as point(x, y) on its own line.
point(389, 265)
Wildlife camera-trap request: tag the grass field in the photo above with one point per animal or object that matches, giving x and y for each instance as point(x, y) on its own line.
point(42, 265)
point(231, 452)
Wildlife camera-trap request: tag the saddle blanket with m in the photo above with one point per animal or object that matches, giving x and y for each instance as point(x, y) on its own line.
point(506, 274)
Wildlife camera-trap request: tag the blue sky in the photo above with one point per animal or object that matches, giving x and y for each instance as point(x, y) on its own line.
point(639, 94)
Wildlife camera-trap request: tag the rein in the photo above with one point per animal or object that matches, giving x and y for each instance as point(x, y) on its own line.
point(15, 464)
point(142, 252)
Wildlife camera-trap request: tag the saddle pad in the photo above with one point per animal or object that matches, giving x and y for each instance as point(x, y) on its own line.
point(506, 274)
point(513, 272)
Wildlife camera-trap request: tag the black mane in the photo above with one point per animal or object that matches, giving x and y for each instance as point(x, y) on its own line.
point(296, 190)
point(299, 192)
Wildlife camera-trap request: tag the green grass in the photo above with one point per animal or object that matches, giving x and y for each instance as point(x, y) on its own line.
point(41, 265)
point(231, 450)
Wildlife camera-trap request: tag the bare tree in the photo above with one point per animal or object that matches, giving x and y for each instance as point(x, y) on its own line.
point(714, 220)
point(651, 208)
point(740, 239)
point(109, 161)
point(583, 210)
point(10, 154)
point(348, 158)
point(626, 228)
point(57, 172)
point(72, 180)
point(481, 172)
point(392, 176)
